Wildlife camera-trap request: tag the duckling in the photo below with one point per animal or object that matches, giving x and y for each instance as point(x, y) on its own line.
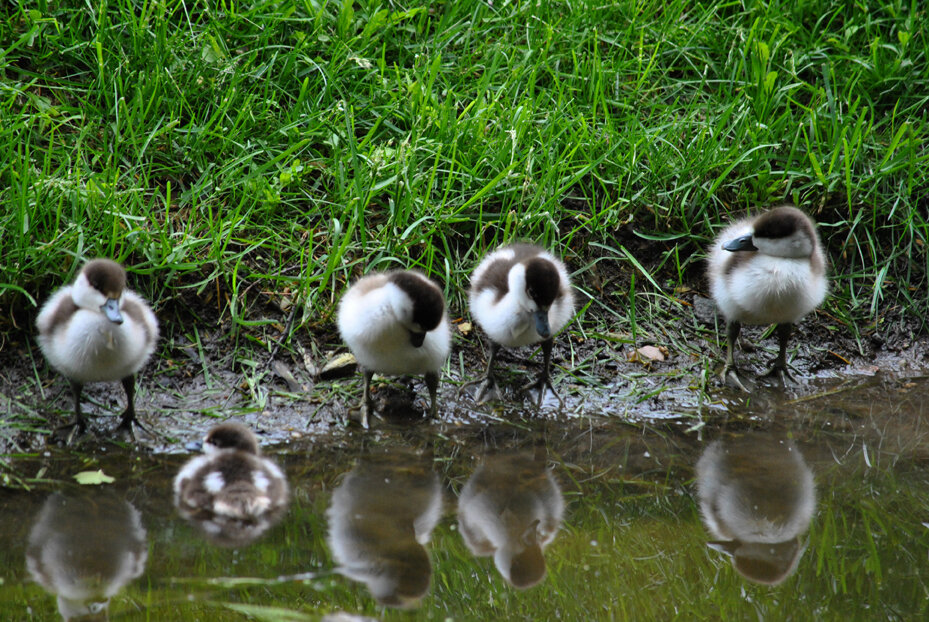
point(395, 323)
point(511, 508)
point(757, 497)
point(96, 330)
point(232, 492)
point(380, 522)
point(520, 295)
point(769, 269)
point(84, 547)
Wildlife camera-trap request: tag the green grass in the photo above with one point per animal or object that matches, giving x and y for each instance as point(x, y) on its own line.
point(277, 149)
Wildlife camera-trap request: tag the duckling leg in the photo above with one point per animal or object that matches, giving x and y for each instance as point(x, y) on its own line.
point(367, 404)
point(729, 375)
point(432, 383)
point(780, 363)
point(544, 380)
point(488, 384)
point(68, 431)
point(125, 428)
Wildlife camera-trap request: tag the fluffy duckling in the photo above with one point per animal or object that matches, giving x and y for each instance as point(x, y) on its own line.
point(520, 295)
point(85, 548)
point(769, 269)
point(757, 498)
point(395, 323)
point(511, 508)
point(231, 491)
point(96, 330)
point(380, 520)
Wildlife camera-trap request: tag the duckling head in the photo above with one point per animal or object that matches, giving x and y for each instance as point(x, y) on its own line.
point(403, 578)
point(537, 284)
point(231, 436)
point(763, 562)
point(521, 561)
point(100, 285)
point(418, 304)
point(781, 232)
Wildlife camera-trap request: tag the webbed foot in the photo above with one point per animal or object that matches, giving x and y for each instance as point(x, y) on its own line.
point(486, 390)
point(540, 384)
point(730, 377)
point(65, 434)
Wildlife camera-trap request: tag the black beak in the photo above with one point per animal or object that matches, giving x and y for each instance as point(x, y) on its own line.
point(194, 446)
point(743, 243)
point(541, 324)
point(111, 309)
point(417, 339)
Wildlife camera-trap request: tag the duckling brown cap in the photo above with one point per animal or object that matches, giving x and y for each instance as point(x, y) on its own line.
point(428, 301)
point(105, 276)
point(782, 222)
point(232, 435)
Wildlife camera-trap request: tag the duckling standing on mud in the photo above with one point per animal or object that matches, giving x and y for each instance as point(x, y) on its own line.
point(395, 323)
point(520, 295)
point(767, 270)
point(96, 330)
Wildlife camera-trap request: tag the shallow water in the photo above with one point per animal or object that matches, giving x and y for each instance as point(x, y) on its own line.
point(775, 507)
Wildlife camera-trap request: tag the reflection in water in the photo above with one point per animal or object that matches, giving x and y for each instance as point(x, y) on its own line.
point(757, 498)
point(382, 515)
point(85, 548)
point(231, 493)
point(511, 508)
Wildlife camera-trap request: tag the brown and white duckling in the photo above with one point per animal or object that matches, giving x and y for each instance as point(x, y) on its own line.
point(96, 330)
point(511, 508)
point(520, 295)
point(231, 491)
point(380, 520)
point(757, 497)
point(85, 548)
point(769, 269)
point(395, 323)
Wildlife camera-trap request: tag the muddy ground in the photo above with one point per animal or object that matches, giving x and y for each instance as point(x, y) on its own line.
point(206, 369)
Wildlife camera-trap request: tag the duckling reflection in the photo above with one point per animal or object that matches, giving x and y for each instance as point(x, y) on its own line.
point(85, 548)
point(232, 492)
point(511, 508)
point(381, 517)
point(757, 498)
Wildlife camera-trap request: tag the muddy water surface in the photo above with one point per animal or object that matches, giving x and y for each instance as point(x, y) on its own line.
point(804, 506)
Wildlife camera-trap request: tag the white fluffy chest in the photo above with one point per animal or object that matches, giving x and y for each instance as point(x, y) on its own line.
point(771, 290)
point(91, 348)
point(504, 321)
point(382, 344)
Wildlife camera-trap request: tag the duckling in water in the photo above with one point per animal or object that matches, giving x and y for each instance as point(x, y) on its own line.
point(85, 547)
point(757, 497)
point(769, 269)
point(232, 492)
point(511, 508)
point(96, 330)
point(380, 521)
point(520, 295)
point(395, 323)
